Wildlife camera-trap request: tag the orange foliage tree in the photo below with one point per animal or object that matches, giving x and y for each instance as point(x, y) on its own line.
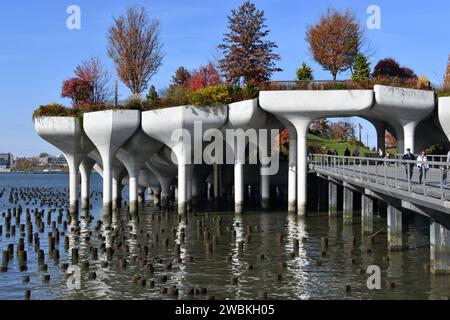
point(447, 75)
point(204, 77)
point(335, 41)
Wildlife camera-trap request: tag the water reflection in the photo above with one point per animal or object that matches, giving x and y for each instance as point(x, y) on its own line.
point(141, 256)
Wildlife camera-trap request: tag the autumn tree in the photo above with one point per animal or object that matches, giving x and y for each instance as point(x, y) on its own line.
point(361, 68)
point(320, 127)
point(407, 73)
point(447, 75)
point(78, 90)
point(304, 73)
point(94, 72)
point(335, 40)
point(204, 77)
point(342, 131)
point(247, 54)
point(135, 47)
point(181, 77)
point(391, 68)
point(390, 140)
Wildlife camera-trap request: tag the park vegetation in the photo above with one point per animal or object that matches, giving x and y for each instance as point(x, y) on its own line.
point(248, 61)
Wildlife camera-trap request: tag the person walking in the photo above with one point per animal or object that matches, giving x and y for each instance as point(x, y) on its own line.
point(409, 165)
point(422, 165)
point(380, 156)
point(355, 154)
point(387, 157)
point(444, 175)
point(347, 154)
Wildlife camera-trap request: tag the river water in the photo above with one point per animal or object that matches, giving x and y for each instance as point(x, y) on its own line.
point(231, 256)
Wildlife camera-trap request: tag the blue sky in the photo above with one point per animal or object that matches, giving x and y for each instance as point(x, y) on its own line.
point(38, 52)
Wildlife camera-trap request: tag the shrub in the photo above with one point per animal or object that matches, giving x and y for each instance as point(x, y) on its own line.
point(53, 110)
point(134, 103)
point(249, 91)
point(211, 96)
point(423, 83)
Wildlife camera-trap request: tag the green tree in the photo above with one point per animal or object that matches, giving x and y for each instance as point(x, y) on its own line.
point(247, 53)
point(361, 68)
point(304, 73)
point(152, 95)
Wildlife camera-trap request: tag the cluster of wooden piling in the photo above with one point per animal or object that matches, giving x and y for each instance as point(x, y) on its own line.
point(33, 221)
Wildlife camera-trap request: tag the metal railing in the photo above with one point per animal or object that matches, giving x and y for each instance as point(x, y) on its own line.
point(338, 84)
point(394, 173)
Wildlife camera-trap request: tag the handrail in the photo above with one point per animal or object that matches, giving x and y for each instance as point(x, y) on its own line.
point(383, 171)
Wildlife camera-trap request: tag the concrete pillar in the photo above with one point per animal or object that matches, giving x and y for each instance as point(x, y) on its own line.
point(301, 126)
point(109, 130)
point(366, 214)
point(73, 185)
point(157, 194)
point(265, 190)
point(348, 206)
point(113, 194)
point(332, 199)
point(408, 135)
point(238, 186)
point(182, 190)
point(189, 183)
point(141, 195)
point(292, 173)
point(216, 168)
point(134, 193)
point(149, 193)
point(394, 221)
point(196, 189)
point(85, 169)
point(439, 249)
point(165, 188)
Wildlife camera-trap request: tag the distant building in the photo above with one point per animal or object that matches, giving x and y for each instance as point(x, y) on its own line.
point(6, 161)
point(57, 161)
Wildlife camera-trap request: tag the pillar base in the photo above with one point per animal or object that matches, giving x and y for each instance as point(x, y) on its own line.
point(348, 206)
point(366, 214)
point(107, 208)
point(238, 207)
point(73, 207)
point(85, 203)
point(332, 199)
point(301, 210)
point(394, 220)
point(292, 206)
point(265, 204)
point(439, 249)
point(182, 208)
point(134, 205)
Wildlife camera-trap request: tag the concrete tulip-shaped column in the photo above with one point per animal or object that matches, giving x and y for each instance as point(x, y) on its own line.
point(165, 171)
point(301, 107)
point(444, 115)
point(118, 174)
point(66, 134)
point(109, 130)
point(148, 179)
point(178, 134)
point(292, 171)
point(406, 107)
point(139, 148)
point(242, 115)
point(86, 169)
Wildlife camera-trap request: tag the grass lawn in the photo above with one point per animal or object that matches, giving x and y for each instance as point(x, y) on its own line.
point(320, 143)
